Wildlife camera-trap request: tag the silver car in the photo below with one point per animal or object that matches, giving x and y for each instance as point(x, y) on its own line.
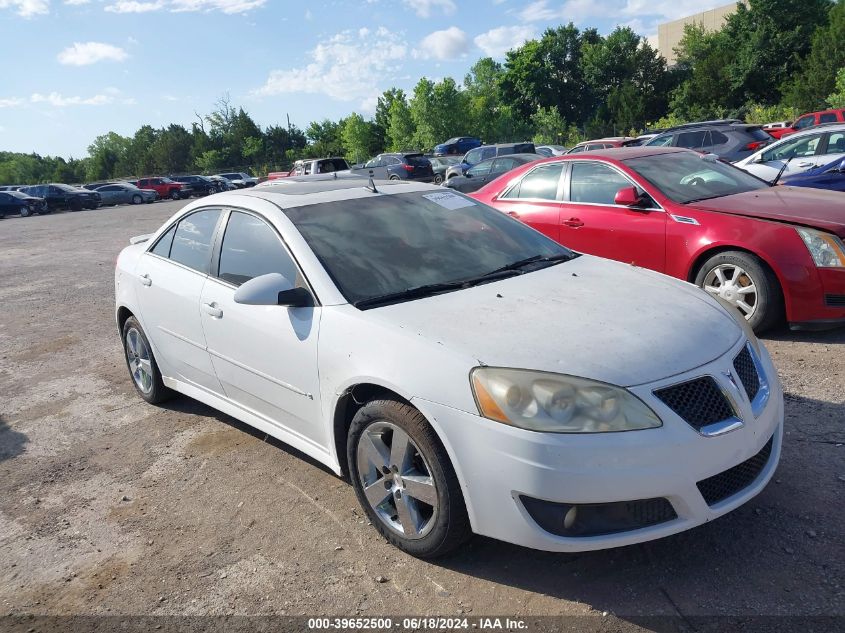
point(125, 193)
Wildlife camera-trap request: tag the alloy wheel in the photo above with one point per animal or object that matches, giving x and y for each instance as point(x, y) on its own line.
point(140, 365)
point(396, 480)
point(734, 285)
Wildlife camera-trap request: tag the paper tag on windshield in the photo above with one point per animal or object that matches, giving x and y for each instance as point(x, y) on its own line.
point(449, 200)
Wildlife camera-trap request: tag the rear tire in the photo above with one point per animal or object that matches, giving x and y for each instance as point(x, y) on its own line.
point(136, 199)
point(394, 177)
point(143, 369)
point(175, 195)
point(420, 470)
point(438, 179)
point(742, 278)
point(26, 211)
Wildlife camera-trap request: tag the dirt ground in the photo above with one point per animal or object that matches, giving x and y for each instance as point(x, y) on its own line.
point(112, 506)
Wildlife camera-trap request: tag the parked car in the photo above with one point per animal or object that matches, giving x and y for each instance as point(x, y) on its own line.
point(200, 185)
point(551, 150)
point(93, 186)
point(768, 251)
point(776, 128)
point(240, 179)
point(730, 140)
point(311, 166)
point(479, 175)
point(24, 204)
point(830, 176)
point(457, 146)
point(125, 193)
point(600, 143)
point(397, 166)
point(811, 119)
point(222, 184)
point(797, 153)
point(61, 196)
point(165, 187)
point(467, 373)
point(439, 164)
point(475, 156)
point(642, 139)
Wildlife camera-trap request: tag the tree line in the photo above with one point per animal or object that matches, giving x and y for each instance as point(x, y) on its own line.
point(773, 60)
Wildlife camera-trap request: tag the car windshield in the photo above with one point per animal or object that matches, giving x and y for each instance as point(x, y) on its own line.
point(18, 194)
point(66, 187)
point(379, 245)
point(166, 181)
point(688, 177)
point(451, 141)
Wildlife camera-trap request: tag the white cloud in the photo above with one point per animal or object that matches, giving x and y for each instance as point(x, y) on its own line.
point(496, 42)
point(130, 6)
point(58, 100)
point(9, 102)
point(27, 8)
point(424, 8)
point(447, 44)
point(85, 53)
point(183, 6)
point(580, 11)
point(349, 66)
point(74, 3)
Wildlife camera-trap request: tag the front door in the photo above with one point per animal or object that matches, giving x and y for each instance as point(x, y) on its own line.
point(264, 356)
point(591, 222)
point(172, 275)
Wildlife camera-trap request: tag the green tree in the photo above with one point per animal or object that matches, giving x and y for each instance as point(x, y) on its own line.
point(356, 137)
point(325, 138)
point(381, 119)
point(106, 152)
point(171, 151)
point(808, 90)
point(837, 98)
point(549, 127)
point(483, 98)
point(400, 126)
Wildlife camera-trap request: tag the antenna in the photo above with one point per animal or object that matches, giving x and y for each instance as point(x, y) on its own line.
point(372, 186)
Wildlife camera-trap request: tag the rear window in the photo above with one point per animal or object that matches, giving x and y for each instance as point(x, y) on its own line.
point(691, 140)
point(829, 117)
point(417, 160)
point(758, 134)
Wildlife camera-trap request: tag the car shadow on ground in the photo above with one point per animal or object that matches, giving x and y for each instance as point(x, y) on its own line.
point(12, 442)
point(184, 404)
point(833, 336)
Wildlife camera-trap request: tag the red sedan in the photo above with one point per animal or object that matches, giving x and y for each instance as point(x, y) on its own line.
point(769, 251)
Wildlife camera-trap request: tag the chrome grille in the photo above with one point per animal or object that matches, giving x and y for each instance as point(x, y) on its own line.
point(699, 402)
point(747, 372)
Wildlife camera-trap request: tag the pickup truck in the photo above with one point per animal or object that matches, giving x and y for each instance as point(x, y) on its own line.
point(811, 119)
point(311, 166)
point(165, 188)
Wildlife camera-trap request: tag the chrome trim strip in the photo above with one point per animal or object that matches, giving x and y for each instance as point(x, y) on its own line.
point(762, 398)
point(720, 428)
point(682, 219)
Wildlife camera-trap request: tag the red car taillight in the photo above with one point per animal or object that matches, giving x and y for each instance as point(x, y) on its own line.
point(755, 145)
point(408, 167)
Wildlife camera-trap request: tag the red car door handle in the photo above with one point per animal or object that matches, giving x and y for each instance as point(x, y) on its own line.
point(513, 214)
point(573, 222)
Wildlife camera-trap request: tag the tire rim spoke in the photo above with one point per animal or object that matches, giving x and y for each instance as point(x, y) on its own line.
point(396, 480)
point(733, 285)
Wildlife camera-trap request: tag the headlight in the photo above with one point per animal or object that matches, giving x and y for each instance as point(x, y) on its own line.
point(827, 249)
point(555, 403)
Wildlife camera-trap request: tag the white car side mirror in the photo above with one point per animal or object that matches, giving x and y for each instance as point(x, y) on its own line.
point(272, 289)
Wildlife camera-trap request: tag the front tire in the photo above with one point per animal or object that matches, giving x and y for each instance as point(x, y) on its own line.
point(141, 363)
point(175, 195)
point(394, 177)
point(26, 211)
point(438, 179)
point(136, 199)
point(404, 480)
point(745, 282)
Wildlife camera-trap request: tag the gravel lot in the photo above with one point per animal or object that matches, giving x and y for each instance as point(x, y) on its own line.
point(112, 506)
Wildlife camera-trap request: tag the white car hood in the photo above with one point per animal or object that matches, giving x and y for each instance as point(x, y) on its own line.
point(589, 317)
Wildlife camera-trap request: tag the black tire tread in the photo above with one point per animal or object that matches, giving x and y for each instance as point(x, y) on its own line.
point(160, 392)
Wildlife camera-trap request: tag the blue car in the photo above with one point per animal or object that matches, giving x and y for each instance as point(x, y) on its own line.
point(830, 176)
point(457, 145)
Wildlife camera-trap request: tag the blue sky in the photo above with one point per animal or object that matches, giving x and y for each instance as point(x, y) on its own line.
point(74, 69)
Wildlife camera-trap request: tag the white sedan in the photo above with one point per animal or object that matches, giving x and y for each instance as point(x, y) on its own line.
point(466, 372)
point(797, 153)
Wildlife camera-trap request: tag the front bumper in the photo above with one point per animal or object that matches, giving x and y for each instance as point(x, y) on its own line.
point(498, 464)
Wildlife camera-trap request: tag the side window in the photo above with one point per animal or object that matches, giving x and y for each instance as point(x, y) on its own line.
point(501, 165)
point(374, 162)
point(162, 247)
point(474, 157)
point(488, 152)
point(828, 117)
point(796, 148)
point(481, 169)
point(804, 121)
point(192, 240)
point(251, 249)
point(718, 138)
point(576, 150)
point(691, 140)
point(836, 143)
point(660, 141)
point(595, 183)
point(540, 183)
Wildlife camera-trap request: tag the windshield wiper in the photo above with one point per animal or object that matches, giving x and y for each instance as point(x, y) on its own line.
point(427, 290)
point(718, 195)
point(782, 169)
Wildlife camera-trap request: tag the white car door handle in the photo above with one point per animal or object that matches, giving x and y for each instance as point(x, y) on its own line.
point(805, 164)
point(213, 310)
point(145, 280)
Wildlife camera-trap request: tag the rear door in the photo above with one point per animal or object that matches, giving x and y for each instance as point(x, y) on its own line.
point(171, 276)
point(832, 148)
point(801, 154)
point(593, 223)
point(535, 199)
